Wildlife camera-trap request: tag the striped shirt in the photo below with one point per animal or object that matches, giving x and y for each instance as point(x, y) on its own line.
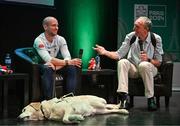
point(133, 51)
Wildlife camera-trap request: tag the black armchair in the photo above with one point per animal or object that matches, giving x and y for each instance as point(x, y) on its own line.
point(31, 61)
point(162, 83)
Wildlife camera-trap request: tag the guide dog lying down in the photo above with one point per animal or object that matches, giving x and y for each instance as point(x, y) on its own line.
point(71, 109)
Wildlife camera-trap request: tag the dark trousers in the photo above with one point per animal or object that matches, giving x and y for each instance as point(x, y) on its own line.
point(71, 75)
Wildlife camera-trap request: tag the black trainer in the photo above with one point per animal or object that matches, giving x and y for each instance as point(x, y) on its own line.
point(151, 104)
point(123, 104)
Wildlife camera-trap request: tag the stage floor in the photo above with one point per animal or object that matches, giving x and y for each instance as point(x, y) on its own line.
point(138, 116)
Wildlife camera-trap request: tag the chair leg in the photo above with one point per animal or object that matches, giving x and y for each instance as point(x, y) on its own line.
point(131, 104)
point(167, 101)
point(158, 101)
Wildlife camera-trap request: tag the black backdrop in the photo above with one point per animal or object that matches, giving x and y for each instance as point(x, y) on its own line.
point(20, 24)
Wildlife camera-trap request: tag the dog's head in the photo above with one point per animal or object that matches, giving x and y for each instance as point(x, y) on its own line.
point(32, 112)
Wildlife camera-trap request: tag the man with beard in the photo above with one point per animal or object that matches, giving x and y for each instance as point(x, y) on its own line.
point(49, 45)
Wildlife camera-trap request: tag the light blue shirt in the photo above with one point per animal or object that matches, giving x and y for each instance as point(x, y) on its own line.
point(48, 50)
point(133, 51)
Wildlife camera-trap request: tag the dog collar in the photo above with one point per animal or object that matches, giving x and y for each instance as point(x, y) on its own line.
point(43, 112)
point(34, 107)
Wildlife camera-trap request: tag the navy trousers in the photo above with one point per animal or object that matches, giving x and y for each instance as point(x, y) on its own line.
point(71, 80)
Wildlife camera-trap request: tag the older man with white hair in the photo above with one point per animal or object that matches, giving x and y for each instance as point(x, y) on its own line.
point(143, 57)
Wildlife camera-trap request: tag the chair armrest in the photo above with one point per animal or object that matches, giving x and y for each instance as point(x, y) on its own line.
point(29, 54)
point(166, 71)
point(19, 53)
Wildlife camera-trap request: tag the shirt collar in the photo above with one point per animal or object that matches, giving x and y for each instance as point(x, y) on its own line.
point(148, 39)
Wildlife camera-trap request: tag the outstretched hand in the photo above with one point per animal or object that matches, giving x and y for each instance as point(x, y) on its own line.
point(100, 49)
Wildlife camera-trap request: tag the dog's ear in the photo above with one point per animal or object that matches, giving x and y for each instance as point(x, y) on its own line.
point(36, 105)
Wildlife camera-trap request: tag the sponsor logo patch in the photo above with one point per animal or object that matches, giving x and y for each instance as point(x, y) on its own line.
point(41, 45)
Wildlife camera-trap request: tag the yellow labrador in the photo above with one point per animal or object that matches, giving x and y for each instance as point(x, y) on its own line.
point(32, 112)
point(72, 109)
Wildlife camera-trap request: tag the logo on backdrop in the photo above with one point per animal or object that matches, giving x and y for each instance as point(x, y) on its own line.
point(157, 13)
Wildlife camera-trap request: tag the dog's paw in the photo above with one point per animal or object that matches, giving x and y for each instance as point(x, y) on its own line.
point(123, 111)
point(76, 118)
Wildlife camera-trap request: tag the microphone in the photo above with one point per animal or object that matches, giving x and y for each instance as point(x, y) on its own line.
point(80, 53)
point(141, 45)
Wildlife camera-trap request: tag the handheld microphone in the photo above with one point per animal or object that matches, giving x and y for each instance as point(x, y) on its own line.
point(80, 53)
point(141, 45)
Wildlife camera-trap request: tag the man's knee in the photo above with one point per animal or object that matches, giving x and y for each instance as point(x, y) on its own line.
point(72, 69)
point(123, 62)
point(46, 69)
point(144, 66)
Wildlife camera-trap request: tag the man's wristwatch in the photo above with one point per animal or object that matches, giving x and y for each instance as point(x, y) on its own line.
point(66, 62)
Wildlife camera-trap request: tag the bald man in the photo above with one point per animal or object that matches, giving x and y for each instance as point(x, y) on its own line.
point(49, 45)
